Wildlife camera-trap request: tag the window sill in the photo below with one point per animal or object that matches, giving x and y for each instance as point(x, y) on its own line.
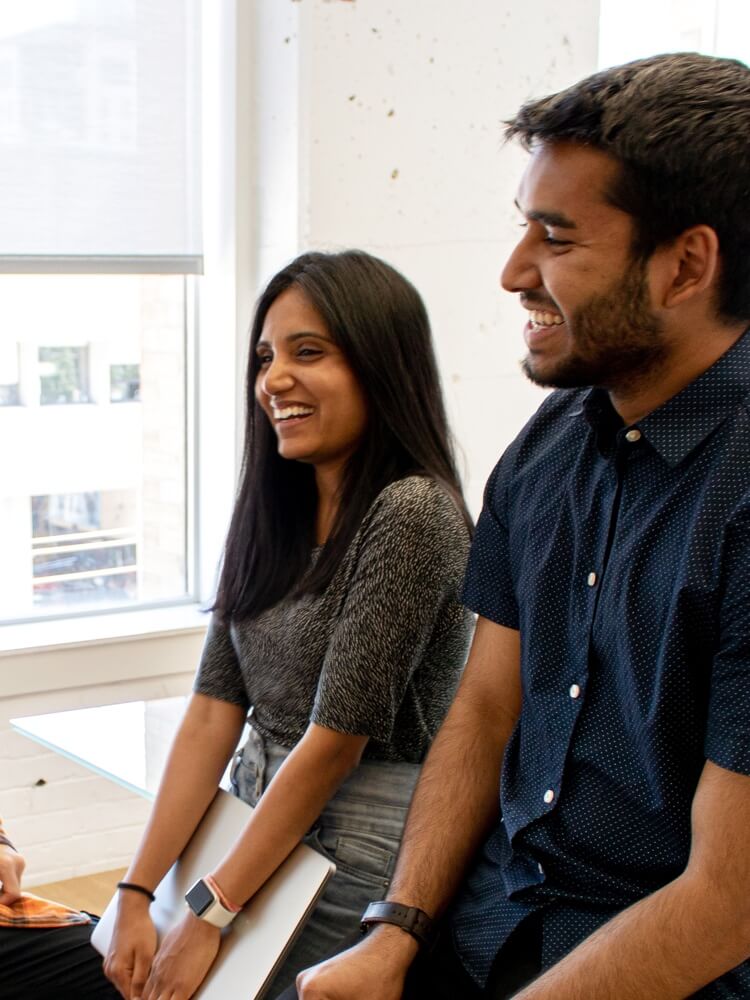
point(86, 630)
point(100, 649)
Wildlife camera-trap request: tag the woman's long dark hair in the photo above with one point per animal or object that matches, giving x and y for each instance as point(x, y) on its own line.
point(378, 320)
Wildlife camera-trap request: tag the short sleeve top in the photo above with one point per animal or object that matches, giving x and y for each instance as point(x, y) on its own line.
point(378, 653)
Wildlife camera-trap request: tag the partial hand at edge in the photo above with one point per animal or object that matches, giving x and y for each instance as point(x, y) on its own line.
point(375, 968)
point(12, 865)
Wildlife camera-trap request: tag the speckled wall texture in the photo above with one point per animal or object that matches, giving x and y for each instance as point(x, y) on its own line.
point(380, 125)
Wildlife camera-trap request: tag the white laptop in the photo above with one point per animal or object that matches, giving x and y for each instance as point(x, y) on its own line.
point(255, 944)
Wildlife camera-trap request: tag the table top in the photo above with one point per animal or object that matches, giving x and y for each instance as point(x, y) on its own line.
point(127, 743)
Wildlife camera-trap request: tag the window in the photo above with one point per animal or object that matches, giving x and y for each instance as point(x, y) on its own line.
point(64, 375)
point(9, 388)
point(641, 28)
point(96, 512)
point(100, 250)
point(124, 383)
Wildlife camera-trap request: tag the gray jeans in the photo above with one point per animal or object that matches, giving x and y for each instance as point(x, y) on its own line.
point(359, 830)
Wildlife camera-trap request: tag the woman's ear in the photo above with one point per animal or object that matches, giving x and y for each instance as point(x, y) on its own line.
point(690, 266)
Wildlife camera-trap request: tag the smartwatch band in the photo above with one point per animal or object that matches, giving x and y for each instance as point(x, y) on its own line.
point(409, 918)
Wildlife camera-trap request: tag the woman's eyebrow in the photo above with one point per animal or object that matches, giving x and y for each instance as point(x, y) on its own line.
point(297, 335)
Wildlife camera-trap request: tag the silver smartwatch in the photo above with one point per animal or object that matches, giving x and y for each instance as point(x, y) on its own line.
point(205, 904)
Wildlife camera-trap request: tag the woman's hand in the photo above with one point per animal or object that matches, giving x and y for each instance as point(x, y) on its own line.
point(12, 865)
point(132, 948)
point(183, 960)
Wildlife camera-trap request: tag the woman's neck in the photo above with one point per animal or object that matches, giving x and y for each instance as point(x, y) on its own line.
point(328, 481)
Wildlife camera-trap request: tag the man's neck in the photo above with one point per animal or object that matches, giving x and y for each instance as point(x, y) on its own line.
point(683, 365)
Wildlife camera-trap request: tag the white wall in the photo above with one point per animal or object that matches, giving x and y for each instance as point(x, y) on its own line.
point(387, 117)
point(430, 188)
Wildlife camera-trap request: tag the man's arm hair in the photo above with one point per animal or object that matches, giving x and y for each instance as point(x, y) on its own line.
point(457, 797)
point(687, 934)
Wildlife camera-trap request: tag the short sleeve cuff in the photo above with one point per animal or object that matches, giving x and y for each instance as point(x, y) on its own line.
point(488, 584)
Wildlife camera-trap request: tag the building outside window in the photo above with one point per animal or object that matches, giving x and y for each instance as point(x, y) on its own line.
point(9, 388)
point(63, 375)
point(84, 547)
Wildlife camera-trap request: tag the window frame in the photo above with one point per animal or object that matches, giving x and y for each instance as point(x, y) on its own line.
point(215, 351)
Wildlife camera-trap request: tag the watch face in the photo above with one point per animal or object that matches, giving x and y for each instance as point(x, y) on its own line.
point(199, 898)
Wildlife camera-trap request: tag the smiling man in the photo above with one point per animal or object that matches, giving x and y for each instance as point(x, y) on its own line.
point(607, 693)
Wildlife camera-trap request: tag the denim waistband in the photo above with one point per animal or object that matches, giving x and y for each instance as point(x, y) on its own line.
point(387, 783)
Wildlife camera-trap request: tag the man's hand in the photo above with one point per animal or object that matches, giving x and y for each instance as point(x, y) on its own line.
point(376, 968)
point(183, 960)
point(12, 865)
point(132, 947)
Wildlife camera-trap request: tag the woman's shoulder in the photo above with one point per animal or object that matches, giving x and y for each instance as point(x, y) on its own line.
point(419, 505)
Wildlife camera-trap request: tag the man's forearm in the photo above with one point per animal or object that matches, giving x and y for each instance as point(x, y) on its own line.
point(668, 946)
point(454, 806)
point(456, 800)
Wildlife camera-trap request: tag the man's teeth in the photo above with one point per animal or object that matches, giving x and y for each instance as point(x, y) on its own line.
point(545, 318)
point(292, 411)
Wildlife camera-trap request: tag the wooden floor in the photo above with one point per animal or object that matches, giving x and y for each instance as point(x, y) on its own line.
point(90, 892)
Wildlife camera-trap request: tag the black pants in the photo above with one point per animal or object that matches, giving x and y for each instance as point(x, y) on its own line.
point(440, 975)
point(52, 964)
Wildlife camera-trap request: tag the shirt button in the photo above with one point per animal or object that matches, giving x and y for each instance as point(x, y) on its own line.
point(633, 435)
point(549, 796)
point(591, 579)
point(574, 691)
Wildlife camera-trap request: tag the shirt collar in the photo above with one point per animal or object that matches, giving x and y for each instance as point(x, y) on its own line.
point(684, 421)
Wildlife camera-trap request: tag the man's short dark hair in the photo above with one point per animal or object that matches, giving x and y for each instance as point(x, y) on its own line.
point(679, 125)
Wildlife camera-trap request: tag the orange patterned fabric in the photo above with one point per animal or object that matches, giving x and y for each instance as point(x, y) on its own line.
point(33, 911)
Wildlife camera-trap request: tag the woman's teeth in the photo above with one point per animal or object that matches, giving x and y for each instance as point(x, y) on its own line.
point(292, 411)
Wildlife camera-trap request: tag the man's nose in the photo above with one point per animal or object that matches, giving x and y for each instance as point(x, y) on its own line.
point(520, 272)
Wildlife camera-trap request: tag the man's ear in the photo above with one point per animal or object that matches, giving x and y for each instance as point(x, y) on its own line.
point(689, 266)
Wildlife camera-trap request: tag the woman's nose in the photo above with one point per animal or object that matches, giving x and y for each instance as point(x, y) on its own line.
point(276, 377)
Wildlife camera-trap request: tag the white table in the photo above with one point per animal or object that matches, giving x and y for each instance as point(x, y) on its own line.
point(127, 743)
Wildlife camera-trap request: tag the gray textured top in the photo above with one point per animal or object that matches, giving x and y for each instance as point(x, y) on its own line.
point(378, 653)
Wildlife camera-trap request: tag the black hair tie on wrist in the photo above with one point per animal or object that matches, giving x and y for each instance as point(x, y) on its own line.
point(137, 888)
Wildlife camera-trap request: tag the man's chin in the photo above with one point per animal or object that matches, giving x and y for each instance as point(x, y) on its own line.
point(554, 376)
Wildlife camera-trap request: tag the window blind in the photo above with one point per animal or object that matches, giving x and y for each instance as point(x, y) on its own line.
point(99, 136)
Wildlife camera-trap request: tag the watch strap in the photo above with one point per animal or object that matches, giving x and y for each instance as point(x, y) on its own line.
point(409, 918)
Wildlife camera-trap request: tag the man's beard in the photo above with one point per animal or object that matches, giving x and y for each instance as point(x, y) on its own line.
point(616, 340)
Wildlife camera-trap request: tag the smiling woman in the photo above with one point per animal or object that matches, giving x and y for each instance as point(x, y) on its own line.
point(310, 394)
point(337, 627)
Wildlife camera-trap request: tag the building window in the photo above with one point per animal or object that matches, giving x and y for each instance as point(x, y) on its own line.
point(10, 390)
point(63, 375)
point(124, 383)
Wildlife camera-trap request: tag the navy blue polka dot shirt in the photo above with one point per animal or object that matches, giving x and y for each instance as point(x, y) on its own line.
point(623, 556)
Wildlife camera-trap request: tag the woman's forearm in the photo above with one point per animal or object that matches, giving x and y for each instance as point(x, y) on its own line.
point(304, 783)
point(207, 736)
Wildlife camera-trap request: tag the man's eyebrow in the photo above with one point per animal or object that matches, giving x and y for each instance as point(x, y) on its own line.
point(556, 219)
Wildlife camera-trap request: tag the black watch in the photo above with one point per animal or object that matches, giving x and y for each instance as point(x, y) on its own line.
point(409, 918)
